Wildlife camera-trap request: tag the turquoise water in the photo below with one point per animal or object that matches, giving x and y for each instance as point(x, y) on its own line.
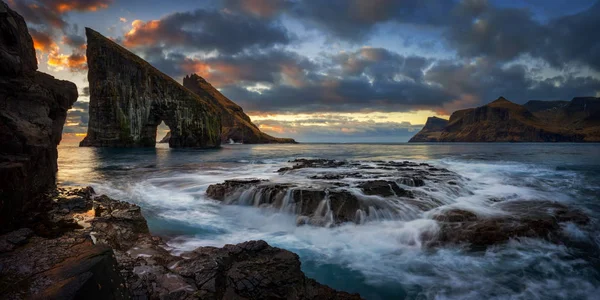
point(381, 259)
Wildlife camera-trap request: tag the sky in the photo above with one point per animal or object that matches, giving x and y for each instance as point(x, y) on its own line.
point(337, 70)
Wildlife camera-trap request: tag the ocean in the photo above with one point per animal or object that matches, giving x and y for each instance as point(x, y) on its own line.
point(383, 258)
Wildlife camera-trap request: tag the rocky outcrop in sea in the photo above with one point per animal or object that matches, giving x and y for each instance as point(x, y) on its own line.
point(129, 98)
point(236, 125)
point(322, 192)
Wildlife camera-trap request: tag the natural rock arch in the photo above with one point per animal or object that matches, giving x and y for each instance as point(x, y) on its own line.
point(129, 98)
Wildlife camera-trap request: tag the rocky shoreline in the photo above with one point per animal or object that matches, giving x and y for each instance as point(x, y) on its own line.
point(58, 243)
point(88, 246)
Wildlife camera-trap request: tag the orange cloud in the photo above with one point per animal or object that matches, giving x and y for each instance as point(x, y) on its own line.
point(271, 128)
point(75, 62)
point(56, 60)
point(219, 74)
point(78, 5)
point(144, 33)
point(293, 75)
point(261, 8)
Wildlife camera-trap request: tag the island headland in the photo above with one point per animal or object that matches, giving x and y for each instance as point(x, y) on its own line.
point(577, 120)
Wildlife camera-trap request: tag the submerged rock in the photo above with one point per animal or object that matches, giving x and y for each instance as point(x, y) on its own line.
point(33, 110)
point(129, 98)
point(350, 192)
point(522, 219)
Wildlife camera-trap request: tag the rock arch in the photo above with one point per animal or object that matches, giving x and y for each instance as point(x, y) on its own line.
point(129, 98)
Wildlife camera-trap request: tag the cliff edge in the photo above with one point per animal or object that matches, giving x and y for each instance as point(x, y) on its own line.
point(577, 120)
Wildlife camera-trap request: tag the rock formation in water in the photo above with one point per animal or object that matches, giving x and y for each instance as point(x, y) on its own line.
point(74, 244)
point(129, 98)
point(94, 247)
point(236, 125)
point(536, 121)
point(33, 110)
point(351, 192)
point(323, 192)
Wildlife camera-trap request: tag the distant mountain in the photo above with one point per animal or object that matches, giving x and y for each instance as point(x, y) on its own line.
point(577, 120)
point(431, 131)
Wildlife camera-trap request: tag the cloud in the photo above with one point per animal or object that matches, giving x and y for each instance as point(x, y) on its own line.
point(354, 20)
point(206, 30)
point(47, 25)
point(46, 47)
point(50, 12)
point(257, 8)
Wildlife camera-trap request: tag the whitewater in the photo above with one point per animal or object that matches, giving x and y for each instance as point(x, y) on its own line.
point(383, 257)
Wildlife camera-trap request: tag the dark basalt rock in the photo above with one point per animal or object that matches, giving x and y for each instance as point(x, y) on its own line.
point(129, 98)
point(505, 121)
point(32, 114)
point(236, 125)
point(524, 219)
point(111, 255)
point(382, 190)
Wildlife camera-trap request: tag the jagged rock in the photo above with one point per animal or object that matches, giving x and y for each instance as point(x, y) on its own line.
point(389, 190)
point(523, 219)
point(110, 254)
point(129, 98)
point(536, 121)
point(236, 125)
point(32, 114)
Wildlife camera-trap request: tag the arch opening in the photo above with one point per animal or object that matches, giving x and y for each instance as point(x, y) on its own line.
point(163, 133)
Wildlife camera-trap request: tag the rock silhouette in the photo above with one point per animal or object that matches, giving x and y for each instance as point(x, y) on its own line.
point(577, 120)
point(129, 98)
point(236, 125)
point(33, 110)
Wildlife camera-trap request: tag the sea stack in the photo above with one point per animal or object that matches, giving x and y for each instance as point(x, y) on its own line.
point(33, 110)
point(129, 98)
point(236, 125)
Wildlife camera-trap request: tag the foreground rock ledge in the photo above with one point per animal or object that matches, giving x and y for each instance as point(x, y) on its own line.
point(94, 247)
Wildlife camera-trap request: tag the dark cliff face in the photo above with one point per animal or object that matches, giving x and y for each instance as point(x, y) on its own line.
point(129, 98)
point(33, 109)
point(236, 125)
point(431, 130)
point(536, 121)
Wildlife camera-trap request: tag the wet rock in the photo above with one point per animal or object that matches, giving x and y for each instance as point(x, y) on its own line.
point(342, 194)
point(455, 215)
point(32, 114)
point(13, 239)
point(70, 267)
point(524, 219)
point(383, 188)
point(113, 256)
point(251, 270)
point(129, 98)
